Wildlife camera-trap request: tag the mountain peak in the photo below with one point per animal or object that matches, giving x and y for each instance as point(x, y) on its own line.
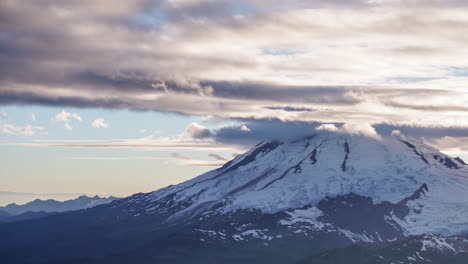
point(279, 175)
point(50, 205)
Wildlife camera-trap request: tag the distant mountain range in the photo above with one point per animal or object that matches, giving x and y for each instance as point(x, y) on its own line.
point(327, 198)
point(39, 208)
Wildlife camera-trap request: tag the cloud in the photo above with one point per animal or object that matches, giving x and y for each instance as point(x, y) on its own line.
point(205, 58)
point(4, 116)
point(274, 129)
point(433, 131)
point(18, 130)
point(99, 123)
point(162, 144)
point(215, 58)
point(360, 129)
point(67, 118)
point(217, 157)
point(196, 131)
point(351, 128)
point(290, 108)
point(327, 127)
point(176, 159)
point(230, 138)
point(26, 130)
point(252, 131)
point(179, 156)
point(236, 139)
point(244, 128)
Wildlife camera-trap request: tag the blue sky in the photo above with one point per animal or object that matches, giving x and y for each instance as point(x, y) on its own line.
point(131, 96)
point(45, 169)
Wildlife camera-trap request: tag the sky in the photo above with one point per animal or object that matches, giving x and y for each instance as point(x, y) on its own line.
point(114, 97)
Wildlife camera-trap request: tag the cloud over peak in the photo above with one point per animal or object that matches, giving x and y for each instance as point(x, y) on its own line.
point(351, 128)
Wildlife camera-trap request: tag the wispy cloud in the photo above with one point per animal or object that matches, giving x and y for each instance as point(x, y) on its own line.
point(135, 144)
point(183, 161)
point(4, 115)
point(217, 157)
point(25, 130)
point(67, 118)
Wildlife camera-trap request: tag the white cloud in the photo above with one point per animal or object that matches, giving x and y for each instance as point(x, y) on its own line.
point(26, 130)
point(360, 129)
point(175, 159)
point(100, 123)
point(67, 118)
point(352, 128)
point(244, 128)
point(4, 115)
point(327, 127)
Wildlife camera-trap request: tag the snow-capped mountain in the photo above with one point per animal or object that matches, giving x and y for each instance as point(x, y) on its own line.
point(278, 176)
point(277, 203)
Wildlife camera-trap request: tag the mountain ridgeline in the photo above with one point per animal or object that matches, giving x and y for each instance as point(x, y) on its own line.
point(40, 208)
point(317, 199)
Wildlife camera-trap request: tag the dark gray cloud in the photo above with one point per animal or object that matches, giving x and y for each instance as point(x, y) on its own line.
point(265, 129)
point(415, 50)
point(290, 108)
point(429, 107)
point(284, 93)
point(420, 131)
point(251, 131)
point(217, 157)
point(177, 155)
point(206, 58)
point(197, 131)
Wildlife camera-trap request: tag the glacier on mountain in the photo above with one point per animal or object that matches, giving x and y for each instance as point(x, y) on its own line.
point(277, 176)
